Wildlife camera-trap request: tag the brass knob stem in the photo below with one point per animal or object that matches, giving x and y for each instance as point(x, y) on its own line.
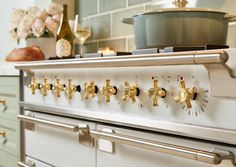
point(3, 133)
point(90, 90)
point(156, 92)
point(130, 92)
point(108, 91)
point(186, 94)
point(44, 87)
point(33, 85)
point(70, 89)
point(58, 88)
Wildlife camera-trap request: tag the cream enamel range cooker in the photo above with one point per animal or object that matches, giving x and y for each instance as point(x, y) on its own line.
point(155, 110)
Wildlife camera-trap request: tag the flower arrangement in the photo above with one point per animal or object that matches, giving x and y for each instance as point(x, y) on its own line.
point(33, 22)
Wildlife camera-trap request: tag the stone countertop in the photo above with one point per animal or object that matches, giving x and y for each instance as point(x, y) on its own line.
point(8, 69)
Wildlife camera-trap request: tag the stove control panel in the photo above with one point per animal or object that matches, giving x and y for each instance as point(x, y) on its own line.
point(171, 93)
point(129, 91)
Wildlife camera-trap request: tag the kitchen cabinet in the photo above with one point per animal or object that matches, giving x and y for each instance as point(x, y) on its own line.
point(9, 125)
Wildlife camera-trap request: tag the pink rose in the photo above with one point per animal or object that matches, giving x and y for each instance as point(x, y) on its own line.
point(54, 9)
point(16, 17)
point(33, 11)
point(26, 22)
point(38, 27)
point(51, 25)
point(22, 33)
point(24, 28)
point(57, 18)
point(42, 15)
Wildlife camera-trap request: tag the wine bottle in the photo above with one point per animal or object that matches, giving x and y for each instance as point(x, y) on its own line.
point(65, 37)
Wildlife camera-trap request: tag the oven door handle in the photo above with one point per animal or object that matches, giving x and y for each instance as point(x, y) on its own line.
point(180, 151)
point(58, 125)
point(22, 164)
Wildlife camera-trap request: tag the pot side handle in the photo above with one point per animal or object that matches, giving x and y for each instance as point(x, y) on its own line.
point(230, 17)
point(128, 21)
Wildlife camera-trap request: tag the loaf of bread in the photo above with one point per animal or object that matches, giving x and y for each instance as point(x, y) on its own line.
point(32, 53)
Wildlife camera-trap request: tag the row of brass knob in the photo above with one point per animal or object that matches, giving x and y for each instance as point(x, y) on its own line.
point(129, 92)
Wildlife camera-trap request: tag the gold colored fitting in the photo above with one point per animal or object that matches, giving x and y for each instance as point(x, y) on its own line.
point(186, 94)
point(108, 90)
point(90, 90)
point(3, 101)
point(70, 89)
point(58, 88)
point(44, 87)
point(130, 92)
point(156, 92)
point(3, 133)
point(33, 85)
point(180, 3)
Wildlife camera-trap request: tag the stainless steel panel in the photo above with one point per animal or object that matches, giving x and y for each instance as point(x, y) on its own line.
point(56, 146)
point(182, 58)
point(128, 155)
point(180, 151)
point(202, 132)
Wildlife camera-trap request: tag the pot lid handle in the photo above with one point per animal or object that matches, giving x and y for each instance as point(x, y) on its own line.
point(180, 3)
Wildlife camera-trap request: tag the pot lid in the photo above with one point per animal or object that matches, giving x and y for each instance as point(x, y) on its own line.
point(181, 7)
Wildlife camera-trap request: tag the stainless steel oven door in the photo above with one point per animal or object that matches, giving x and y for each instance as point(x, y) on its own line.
point(136, 150)
point(57, 140)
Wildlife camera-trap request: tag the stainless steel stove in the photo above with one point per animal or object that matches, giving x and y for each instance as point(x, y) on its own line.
point(159, 109)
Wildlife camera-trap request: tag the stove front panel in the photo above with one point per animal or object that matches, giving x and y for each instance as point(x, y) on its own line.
point(126, 155)
point(205, 110)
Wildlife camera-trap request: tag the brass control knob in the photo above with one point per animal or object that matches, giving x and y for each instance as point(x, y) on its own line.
point(44, 87)
point(33, 85)
point(58, 88)
point(130, 92)
point(90, 90)
point(108, 90)
point(3, 101)
point(3, 133)
point(70, 89)
point(156, 92)
point(186, 94)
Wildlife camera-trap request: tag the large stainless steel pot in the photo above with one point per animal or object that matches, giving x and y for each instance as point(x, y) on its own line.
point(180, 27)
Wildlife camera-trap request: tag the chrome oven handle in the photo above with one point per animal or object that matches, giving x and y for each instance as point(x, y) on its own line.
point(22, 164)
point(180, 151)
point(59, 125)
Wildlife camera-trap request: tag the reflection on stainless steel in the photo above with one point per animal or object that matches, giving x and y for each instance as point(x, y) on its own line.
point(160, 59)
point(202, 132)
point(67, 127)
point(185, 152)
point(82, 129)
point(22, 164)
